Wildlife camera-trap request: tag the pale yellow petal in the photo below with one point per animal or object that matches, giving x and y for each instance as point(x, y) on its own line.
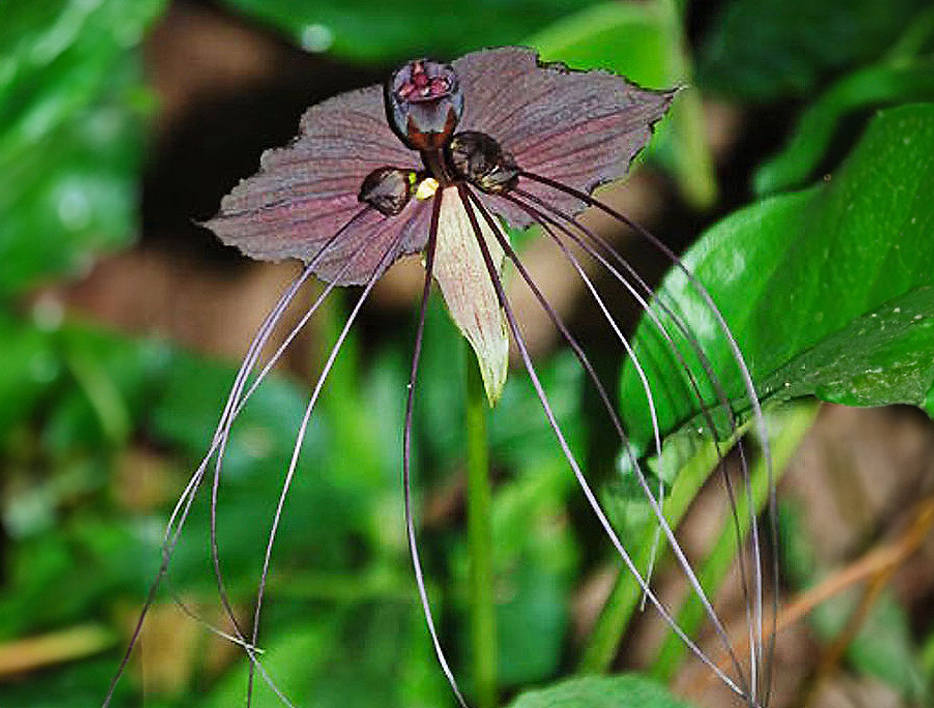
point(468, 291)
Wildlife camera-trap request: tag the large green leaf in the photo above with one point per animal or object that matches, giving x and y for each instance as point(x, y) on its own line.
point(392, 30)
point(764, 49)
point(70, 132)
point(828, 291)
point(600, 692)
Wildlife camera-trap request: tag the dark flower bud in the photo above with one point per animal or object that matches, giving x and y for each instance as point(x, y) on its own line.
point(387, 189)
point(479, 159)
point(424, 103)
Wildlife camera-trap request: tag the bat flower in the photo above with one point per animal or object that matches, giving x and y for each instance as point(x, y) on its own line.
point(432, 150)
point(434, 162)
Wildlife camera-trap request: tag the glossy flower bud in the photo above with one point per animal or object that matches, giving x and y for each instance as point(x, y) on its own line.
point(424, 103)
point(387, 189)
point(479, 159)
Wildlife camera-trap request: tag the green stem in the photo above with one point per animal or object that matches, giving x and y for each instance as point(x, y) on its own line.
point(480, 541)
point(787, 429)
point(626, 594)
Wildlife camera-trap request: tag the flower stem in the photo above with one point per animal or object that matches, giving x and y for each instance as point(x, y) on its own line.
point(480, 541)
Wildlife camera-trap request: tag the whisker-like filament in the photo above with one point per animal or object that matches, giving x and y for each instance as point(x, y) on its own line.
point(630, 353)
point(407, 452)
point(234, 404)
point(228, 423)
point(300, 438)
point(611, 411)
point(751, 394)
point(722, 400)
point(570, 457)
point(547, 222)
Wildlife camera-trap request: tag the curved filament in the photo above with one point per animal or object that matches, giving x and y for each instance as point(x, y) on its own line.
point(302, 431)
point(640, 293)
point(234, 404)
point(758, 654)
point(407, 454)
point(571, 459)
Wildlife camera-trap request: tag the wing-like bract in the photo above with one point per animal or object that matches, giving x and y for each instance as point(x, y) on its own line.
point(307, 191)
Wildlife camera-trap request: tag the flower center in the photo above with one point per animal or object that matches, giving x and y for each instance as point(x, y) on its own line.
point(421, 86)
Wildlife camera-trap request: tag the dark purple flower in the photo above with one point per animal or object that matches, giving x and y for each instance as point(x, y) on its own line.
point(426, 164)
point(581, 129)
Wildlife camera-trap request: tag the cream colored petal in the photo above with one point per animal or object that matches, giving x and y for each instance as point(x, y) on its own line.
point(468, 291)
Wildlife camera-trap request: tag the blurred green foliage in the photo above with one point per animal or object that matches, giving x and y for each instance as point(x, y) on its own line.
point(90, 419)
point(392, 30)
point(71, 133)
point(760, 50)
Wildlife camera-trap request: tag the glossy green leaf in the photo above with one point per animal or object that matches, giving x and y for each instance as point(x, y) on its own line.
point(395, 30)
point(871, 87)
point(765, 49)
point(600, 692)
point(71, 105)
point(828, 291)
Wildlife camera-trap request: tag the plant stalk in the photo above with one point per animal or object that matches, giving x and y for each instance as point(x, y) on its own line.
point(480, 541)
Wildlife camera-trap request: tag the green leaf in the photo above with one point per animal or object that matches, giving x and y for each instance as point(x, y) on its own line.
point(71, 105)
point(765, 49)
point(600, 692)
point(870, 87)
point(625, 37)
point(392, 30)
point(829, 291)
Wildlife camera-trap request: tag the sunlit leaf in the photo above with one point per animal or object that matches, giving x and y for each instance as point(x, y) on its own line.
point(829, 291)
point(389, 30)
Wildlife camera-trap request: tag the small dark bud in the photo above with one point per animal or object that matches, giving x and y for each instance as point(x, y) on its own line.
point(479, 159)
point(387, 189)
point(424, 103)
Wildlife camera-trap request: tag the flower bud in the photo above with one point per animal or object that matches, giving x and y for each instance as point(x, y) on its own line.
point(387, 189)
point(424, 103)
point(479, 159)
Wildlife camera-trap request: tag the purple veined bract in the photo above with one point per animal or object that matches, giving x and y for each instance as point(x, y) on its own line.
point(434, 163)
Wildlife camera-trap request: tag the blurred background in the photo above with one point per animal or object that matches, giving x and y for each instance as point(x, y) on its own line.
point(122, 322)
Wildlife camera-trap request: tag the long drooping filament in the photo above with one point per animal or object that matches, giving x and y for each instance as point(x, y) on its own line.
point(641, 292)
point(235, 402)
point(517, 335)
point(407, 451)
point(384, 262)
point(757, 416)
point(617, 424)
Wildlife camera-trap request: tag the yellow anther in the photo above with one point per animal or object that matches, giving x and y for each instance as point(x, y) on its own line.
point(427, 188)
